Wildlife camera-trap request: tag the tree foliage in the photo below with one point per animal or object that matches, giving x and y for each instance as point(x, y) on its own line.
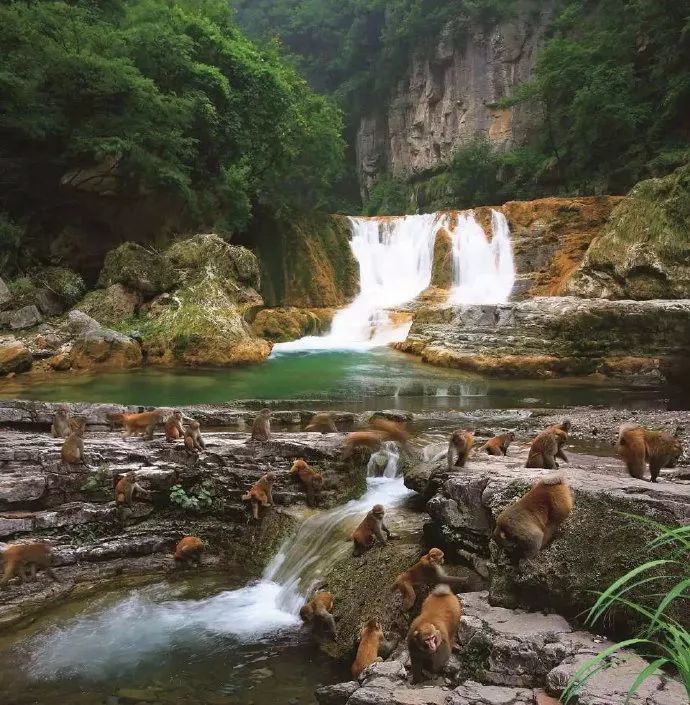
point(155, 97)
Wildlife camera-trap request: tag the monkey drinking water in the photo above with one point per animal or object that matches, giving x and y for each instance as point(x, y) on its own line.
point(317, 614)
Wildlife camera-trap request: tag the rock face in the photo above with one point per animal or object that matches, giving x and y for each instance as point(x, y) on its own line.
point(448, 97)
point(553, 336)
point(644, 252)
point(282, 324)
point(507, 657)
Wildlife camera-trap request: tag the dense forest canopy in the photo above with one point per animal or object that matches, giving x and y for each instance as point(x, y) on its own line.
point(155, 98)
point(612, 82)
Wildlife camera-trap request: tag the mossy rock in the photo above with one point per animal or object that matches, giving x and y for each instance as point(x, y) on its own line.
point(280, 325)
point(139, 268)
point(111, 306)
point(442, 267)
point(66, 284)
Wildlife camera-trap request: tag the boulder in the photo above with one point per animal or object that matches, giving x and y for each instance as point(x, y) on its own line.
point(105, 348)
point(442, 267)
point(14, 357)
point(554, 336)
point(111, 306)
point(283, 324)
point(25, 317)
point(61, 362)
point(79, 322)
point(644, 251)
point(139, 268)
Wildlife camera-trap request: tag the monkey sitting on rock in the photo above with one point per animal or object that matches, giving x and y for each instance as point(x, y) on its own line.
point(461, 442)
point(60, 428)
point(370, 638)
point(261, 428)
point(193, 441)
point(370, 530)
point(126, 489)
point(312, 481)
point(173, 427)
point(72, 451)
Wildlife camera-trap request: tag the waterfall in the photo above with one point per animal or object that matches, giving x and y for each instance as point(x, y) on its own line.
point(483, 271)
point(395, 256)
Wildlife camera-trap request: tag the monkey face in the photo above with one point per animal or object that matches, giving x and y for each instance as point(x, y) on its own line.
point(177, 415)
point(265, 413)
point(566, 426)
point(428, 637)
point(511, 436)
point(298, 465)
point(270, 477)
point(62, 411)
point(436, 556)
point(378, 510)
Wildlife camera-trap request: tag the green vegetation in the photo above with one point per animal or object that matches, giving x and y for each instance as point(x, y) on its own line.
point(663, 640)
point(199, 499)
point(157, 99)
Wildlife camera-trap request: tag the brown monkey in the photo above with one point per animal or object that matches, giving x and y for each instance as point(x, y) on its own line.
point(317, 613)
point(371, 529)
point(432, 634)
point(392, 429)
point(368, 650)
point(143, 423)
point(22, 556)
point(322, 422)
point(260, 493)
point(367, 439)
point(127, 488)
point(638, 446)
point(73, 448)
point(188, 551)
point(545, 448)
point(192, 438)
point(60, 427)
point(173, 427)
point(312, 481)
point(498, 445)
point(261, 430)
point(529, 524)
point(462, 442)
point(427, 571)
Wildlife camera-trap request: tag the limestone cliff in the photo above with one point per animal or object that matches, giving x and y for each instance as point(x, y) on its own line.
point(450, 95)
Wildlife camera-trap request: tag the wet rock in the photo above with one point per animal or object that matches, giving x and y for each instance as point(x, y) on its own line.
point(336, 694)
point(102, 347)
point(25, 317)
point(14, 357)
point(283, 324)
point(472, 693)
point(442, 267)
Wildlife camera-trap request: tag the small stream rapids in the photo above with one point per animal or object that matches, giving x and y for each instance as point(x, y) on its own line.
point(113, 638)
point(396, 257)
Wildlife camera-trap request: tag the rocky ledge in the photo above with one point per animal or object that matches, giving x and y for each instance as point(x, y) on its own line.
point(507, 657)
point(554, 336)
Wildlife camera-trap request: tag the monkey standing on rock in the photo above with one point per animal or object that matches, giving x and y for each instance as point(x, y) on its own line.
point(260, 493)
point(261, 429)
point(427, 571)
point(370, 530)
point(188, 551)
point(462, 442)
point(21, 557)
point(368, 650)
point(432, 634)
point(498, 445)
point(547, 446)
point(72, 451)
point(60, 427)
point(143, 423)
point(317, 614)
point(529, 524)
point(638, 446)
point(312, 481)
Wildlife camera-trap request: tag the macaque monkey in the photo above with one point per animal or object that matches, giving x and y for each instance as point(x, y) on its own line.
point(366, 439)
point(368, 650)
point(371, 529)
point(392, 429)
point(173, 427)
point(312, 481)
point(260, 493)
point(432, 634)
point(143, 423)
point(72, 451)
point(317, 613)
point(60, 427)
point(23, 557)
point(427, 571)
point(529, 524)
point(322, 422)
point(261, 430)
point(127, 488)
point(638, 446)
point(545, 448)
point(192, 438)
point(498, 445)
point(461, 442)
point(188, 551)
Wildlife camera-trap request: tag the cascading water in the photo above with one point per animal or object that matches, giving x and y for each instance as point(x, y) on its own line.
point(483, 271)
point(395, 256)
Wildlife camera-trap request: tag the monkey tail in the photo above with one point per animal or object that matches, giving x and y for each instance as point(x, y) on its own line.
point(442, 589)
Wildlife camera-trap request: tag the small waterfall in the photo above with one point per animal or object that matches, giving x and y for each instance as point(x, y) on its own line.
point(483, 271)
point(384, 463)
point(395, 256)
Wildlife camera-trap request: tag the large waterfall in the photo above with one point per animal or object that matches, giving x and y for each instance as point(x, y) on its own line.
point(395, 258)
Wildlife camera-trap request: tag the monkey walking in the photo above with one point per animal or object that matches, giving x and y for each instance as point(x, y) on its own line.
point(362, 439)
point(312, 481)
point(188, 552)
point(370, 530)
point(261, 429)
point(461, 442)
point(427, 571)
point(24, 560)
point(433, 633)
point(547, 446)
point(529, 524)
point(322, 422)
point(498, 445)
point(638, 447)
point(260, 494)
point(370, 638)
point(143, 423)
point(317, 614)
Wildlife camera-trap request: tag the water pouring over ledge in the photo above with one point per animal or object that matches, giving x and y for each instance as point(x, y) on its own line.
point(395, 258)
